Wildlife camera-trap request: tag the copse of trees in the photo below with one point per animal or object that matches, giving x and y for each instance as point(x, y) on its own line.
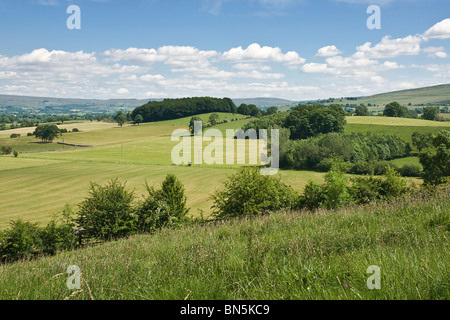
point(169, 109)
point(362, 153)
point(306, 121)
point(395, 109)
point(430, 113)
point(46, 132)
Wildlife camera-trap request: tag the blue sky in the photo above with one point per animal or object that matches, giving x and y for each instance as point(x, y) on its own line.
point(292, 49)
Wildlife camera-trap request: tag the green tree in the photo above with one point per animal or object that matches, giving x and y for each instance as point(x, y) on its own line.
point(121, 118)
point(213, 119)
point(248, 193)
point(192, 123)
point(107, 213)
point(46, 132)
point(421, 140)
point(394, 109)
point(362, 111)
point(436, 159)
point(430, 113)
point(138, 119)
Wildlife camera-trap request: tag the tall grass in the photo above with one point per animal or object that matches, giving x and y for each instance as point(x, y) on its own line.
point(284, 255)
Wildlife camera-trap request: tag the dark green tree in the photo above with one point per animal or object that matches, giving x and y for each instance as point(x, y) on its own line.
point(362, 111)
point(430, 113)
point(436, 160)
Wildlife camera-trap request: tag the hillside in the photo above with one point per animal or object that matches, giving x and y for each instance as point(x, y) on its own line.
point(281, 256)
point(437, 95)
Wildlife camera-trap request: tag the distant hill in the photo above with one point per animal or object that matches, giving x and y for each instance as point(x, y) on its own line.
point(264, 102)
point(48, 104)
point(434, 95)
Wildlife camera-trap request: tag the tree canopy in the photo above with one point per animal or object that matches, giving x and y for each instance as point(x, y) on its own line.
point(169, 109)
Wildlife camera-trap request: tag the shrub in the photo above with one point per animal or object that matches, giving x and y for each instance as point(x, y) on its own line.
point(410, 171)
point(75, 130)
point(312, 198)
point(107, 213)
point(336, 190)
point(15, 135)
point(248, 193)
point(16, 153)
point(162, 208)
point(436, 160)
point(22, 240)
point(6, 149)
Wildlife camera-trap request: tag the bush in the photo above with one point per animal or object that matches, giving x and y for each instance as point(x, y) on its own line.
point(107, 213)
point(6, 150)
point(248, 193)
point(16, 153)
point(162, 208)
point(312, 198)
point(75, 130)
point(15, 135)
point(410, 171)
point(21, 241)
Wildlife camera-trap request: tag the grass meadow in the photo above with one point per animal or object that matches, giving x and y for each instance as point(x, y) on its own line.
point(280, 256)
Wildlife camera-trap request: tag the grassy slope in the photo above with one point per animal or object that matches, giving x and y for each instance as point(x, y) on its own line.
point(280, 256)
point(434, 94)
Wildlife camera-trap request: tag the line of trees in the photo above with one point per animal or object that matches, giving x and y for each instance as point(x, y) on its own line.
point(169, 109)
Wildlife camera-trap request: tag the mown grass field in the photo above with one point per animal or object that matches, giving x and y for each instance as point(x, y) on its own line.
point(35, 186)
point(281, 256)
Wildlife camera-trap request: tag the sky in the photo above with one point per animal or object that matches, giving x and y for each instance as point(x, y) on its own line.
point(290, 49)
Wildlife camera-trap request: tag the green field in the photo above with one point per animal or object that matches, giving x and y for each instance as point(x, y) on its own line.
point(281, 256)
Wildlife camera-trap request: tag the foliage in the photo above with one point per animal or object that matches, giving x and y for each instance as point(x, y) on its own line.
point(46, 132)
point(436, 159)
point(430, 113)
point(394, 109)
point(192, 124)
point(213, 119)
point(362, 111)
point(248, 193)
point(162, 208)
point(306, 121)
point(179, 108)
point(107, 213)
point(421, 140)
point(6, 149)
point(121, 118)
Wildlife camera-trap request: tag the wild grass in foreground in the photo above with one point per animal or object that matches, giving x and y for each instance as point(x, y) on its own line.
point(293, 255)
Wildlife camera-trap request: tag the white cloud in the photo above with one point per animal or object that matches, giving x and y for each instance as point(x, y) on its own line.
point(255, 52)
point(390, 48)
point(328, 51)
point(122, 91)
point(440, 30)
point(435, 52)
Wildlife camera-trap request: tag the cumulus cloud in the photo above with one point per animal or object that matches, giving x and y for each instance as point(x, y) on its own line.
point(328, 51)
point(255, 52)
point(440, 30)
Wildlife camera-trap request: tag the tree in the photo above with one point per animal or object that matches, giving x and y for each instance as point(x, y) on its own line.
point(46, 132)
point(249, 193)
point(362, 111)
point(421, 140)
point(162, 208)
point(244, 109)
point(271, 110)
point(394, 109)
point(430, 113)
point(108, 212)
point(192, 124)
point(121, 118)
point(306, 121)
point(138, 119)
point(436, 160)
point(213, 119)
